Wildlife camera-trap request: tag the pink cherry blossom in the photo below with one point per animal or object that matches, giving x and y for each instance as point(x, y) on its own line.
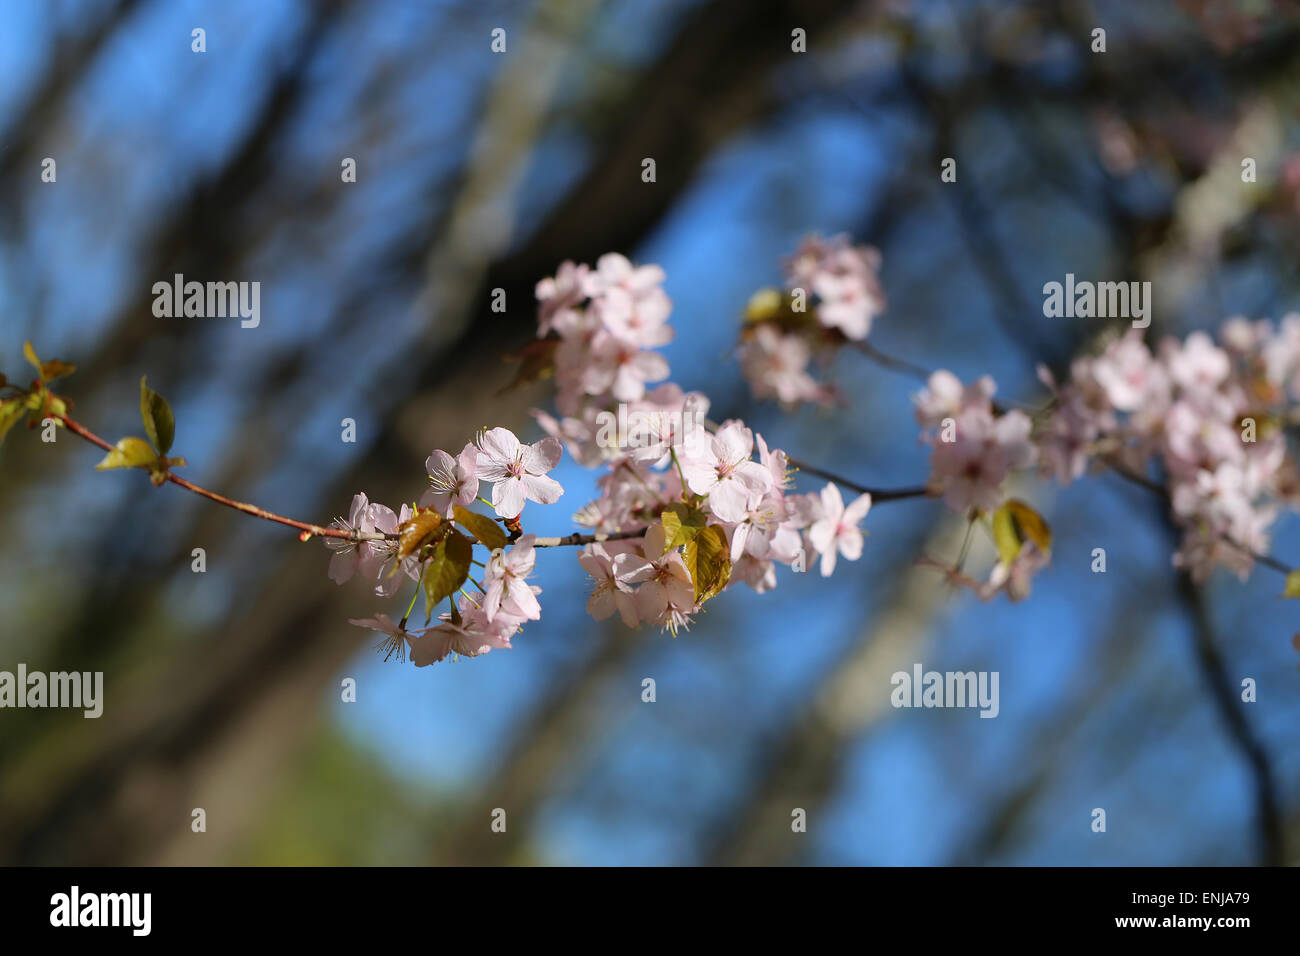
point(845, 280)
point(666, 597)
point(381, 562)
point(396, 637)
point(473, 636)
point(612, 573)
point(836, 531)
point(517, 471)
point(452, 481)
point(614, 271)
point(719, 467)
point(1128, 374)
point(638, 321)
point(944, 396)
point(776, 366)
point(504, 582)
point(621, 369)
point(557, 297)
point(1197, 364)
point(349, 555)
point(970, 469)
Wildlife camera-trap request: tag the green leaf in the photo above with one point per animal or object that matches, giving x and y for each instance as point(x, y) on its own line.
point(129, 453)
point(447, 569)
point(11, 413)
point(1014, 524)
point(681, 523)
point(485, 531)
point(708, 559)
point(159, 424)
point(29, 353)
point(1292, 589)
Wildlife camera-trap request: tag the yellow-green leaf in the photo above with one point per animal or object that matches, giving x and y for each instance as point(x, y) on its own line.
point(681, 524)
point(765, 304)
point(447, 569)
point(1292, 589)
point(421, 529)
point(29, 353)
point(1030, 525)
point(1004, 535)
point(159, 424)
point(708, 559)
point(11, 413)
point(56, 369)
point(485, 531)
point(128, 453)
point(1015, 523)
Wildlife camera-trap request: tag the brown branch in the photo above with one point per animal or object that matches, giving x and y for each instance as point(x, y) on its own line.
point(1268, 820)
point(891, 362)
point(577, 539)
point(308, 530)
point(1155, 487)
point(1114, 464)
point(878, 495)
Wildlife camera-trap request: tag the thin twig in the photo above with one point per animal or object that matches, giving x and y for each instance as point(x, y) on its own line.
point(1155, 487)
point(1223, 692)
point(892, 362)
point(308, 529)
point(877, 494)
point(577, 539)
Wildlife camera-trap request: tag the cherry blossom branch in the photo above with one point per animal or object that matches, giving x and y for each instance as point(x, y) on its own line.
point(1223, 693)
point(916, 371)
point(577, 539)
point(1155, 487)
point(891, 362)
point(308, 530)
point(878, 495)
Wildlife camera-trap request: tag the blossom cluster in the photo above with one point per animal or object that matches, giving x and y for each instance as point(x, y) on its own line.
point(687, 509)
point(723, 478)
point(608, 321)
point(832, 295)
point(413, 544)
point(975, 447)
point(1204, 420)
point(1208, 416)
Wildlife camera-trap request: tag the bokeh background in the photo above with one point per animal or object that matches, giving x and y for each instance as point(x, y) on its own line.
point(478, 170)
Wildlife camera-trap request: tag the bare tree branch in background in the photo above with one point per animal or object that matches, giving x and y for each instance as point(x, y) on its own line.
point(1223, 693)
point(801, 768)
